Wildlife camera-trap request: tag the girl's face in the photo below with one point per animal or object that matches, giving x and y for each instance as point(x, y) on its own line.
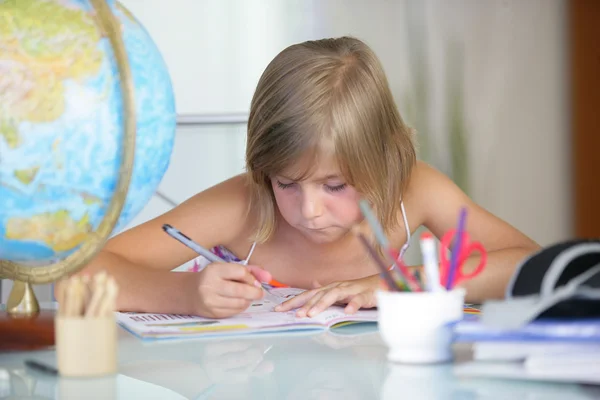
point(323, 207)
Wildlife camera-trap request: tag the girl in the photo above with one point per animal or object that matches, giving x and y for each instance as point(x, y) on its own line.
point(323, 132)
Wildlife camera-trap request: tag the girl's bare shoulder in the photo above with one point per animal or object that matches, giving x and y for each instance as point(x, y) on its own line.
point(417, 190)
point(218, 215)
point(230, 204)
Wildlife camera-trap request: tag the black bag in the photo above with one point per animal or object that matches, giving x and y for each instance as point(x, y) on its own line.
point(561, 281)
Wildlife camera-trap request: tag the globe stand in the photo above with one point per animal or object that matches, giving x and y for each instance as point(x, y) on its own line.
point(23, 326)
point(22, 300)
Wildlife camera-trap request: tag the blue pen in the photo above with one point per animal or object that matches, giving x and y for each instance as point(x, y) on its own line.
point(176, 234)
point(455, 257)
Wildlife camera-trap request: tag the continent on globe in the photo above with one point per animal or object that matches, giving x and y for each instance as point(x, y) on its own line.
point(58, 230)
point(27, 175)
point(33, 70)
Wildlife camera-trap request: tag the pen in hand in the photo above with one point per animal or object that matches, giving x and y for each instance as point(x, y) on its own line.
point(176, 234)
point(261, 275)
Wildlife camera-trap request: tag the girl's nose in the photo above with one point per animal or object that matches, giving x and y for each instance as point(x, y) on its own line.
point(311, 206)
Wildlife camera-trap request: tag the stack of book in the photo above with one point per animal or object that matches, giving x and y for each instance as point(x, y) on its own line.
point(548, 326)
point(549, 349)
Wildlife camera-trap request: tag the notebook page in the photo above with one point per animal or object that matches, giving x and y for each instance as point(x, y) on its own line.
point(272, 297)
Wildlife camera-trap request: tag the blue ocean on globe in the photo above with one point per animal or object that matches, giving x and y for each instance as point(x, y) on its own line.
point(61, 125)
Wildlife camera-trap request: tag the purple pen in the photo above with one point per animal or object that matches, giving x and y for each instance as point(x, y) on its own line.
point(456, 250)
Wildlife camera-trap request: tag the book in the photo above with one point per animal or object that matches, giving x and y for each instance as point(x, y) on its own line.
point(520, 371)
point(551, 330)
point(259, 318)
point(543, 361)
point(545, 353)
point(524, 350)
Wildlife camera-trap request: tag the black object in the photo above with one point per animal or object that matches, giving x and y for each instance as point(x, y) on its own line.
point(41, 367)
point(561, 281)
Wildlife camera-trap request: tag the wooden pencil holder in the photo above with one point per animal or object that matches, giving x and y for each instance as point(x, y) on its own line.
point(86, 347)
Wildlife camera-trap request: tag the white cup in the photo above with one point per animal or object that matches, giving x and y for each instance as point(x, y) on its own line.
point(416, 326)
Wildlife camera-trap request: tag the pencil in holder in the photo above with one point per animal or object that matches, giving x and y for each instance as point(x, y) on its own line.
point(86, 328)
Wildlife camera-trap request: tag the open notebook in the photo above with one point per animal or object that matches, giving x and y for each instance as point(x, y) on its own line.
point(258, 318)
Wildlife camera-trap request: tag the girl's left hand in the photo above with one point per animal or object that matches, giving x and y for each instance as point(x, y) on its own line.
point(359, 293)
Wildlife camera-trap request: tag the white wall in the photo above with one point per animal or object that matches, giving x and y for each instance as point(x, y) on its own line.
point(215, 49)
point(516, 108)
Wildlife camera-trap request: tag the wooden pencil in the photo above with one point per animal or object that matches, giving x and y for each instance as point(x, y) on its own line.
point(61, 296)
point(99, 287)
point(107, 304)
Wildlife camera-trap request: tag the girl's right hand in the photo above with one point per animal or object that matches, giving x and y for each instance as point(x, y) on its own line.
point(222, 290)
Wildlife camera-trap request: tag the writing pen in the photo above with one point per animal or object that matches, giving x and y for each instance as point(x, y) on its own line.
point(176, 234)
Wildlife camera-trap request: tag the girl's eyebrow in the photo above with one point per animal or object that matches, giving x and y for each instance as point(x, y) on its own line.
point(319, 179)
point(328, 177)
point(284, 177)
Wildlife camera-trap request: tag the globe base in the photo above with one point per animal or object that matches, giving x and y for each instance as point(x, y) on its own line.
point(22, 300)
point(25, 333)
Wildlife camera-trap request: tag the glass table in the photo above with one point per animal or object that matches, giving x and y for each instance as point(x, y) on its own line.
point(347, 363)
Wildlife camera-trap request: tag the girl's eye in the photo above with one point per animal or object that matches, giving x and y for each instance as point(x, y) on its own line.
point(284, 185)
point(337, 188)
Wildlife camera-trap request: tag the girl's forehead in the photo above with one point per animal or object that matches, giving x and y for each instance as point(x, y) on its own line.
point(313, 166)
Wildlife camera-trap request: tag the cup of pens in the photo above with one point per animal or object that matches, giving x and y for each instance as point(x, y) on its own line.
point(415, 315)
point(416, 326)
point(86, 329)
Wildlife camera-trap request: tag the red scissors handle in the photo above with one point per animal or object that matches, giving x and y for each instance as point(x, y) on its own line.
point(467, 250)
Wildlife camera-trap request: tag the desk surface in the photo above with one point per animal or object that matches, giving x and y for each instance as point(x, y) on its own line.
point(349, 364)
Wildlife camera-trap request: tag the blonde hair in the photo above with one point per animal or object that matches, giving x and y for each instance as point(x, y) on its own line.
point(331, 91)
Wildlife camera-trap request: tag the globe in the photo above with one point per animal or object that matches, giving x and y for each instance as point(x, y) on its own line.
point(61, 125)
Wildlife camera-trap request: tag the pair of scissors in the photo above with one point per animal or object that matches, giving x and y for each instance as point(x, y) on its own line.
point(467, 248)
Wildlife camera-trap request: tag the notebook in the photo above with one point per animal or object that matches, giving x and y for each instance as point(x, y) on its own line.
point(259, 318)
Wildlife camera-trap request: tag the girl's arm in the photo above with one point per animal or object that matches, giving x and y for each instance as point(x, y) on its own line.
point(439, 202)
point(216, 216)
point(141, 258)
point(144, 289)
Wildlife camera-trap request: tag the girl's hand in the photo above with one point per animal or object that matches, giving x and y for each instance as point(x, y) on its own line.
point(359, 293)
point(222, 290)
